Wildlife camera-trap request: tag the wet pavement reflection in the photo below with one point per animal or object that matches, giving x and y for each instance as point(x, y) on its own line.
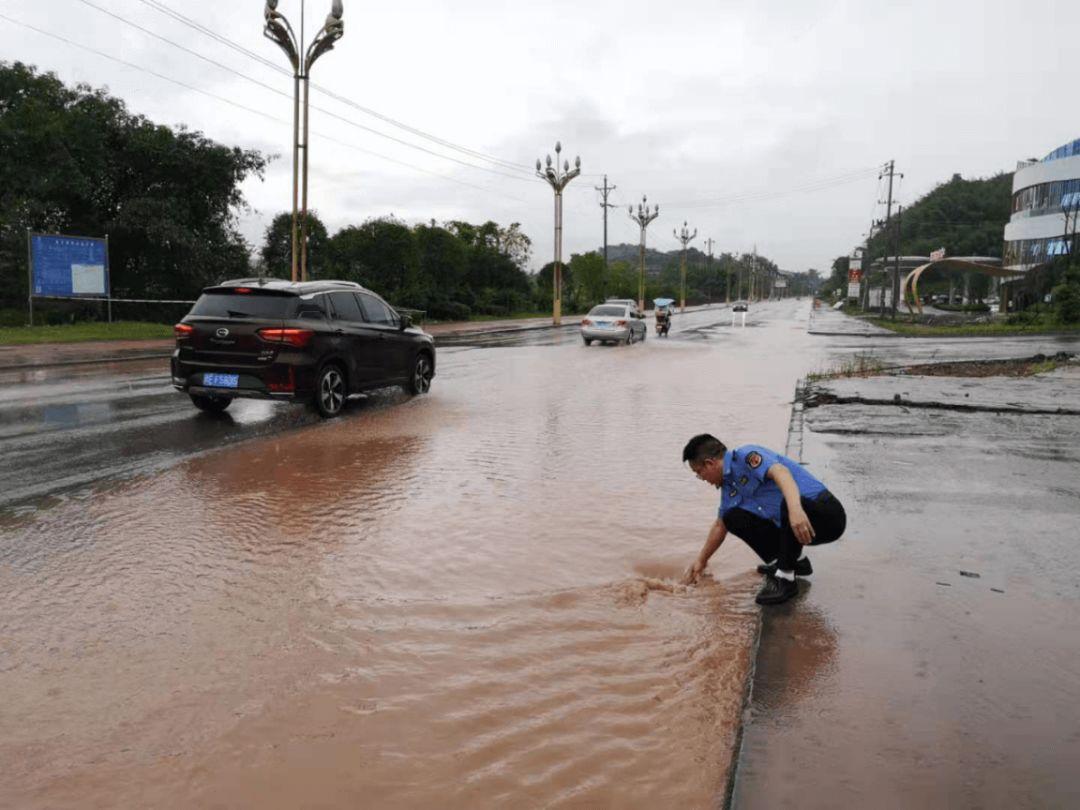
point(465, 599)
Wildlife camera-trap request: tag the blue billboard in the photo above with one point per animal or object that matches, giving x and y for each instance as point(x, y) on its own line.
point(69, 266)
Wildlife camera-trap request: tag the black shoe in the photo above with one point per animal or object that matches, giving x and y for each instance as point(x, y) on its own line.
point(776, 590)
point(803, 568)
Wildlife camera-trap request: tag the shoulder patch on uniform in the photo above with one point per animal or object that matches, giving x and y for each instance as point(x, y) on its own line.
point(754, 460)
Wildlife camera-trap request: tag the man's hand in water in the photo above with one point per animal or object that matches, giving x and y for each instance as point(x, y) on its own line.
point(692, 573)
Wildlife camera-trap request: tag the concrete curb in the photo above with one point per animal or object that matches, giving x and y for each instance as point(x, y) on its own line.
point(95, 362)
point(127, 358)
point(868, 334)
point(795, 426)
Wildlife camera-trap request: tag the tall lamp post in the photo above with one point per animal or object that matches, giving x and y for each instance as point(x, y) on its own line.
point(558, 178)
point(279, 30)
point(685, 237)
point(643, 217)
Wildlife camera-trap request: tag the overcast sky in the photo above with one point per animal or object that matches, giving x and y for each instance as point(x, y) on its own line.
point(757, 122)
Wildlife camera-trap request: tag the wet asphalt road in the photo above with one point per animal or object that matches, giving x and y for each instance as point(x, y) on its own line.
point(68, 426)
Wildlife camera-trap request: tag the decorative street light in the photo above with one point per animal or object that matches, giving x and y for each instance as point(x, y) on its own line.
point(643, 217)
point(685, 237)
point(279, 30)
point(558, 179)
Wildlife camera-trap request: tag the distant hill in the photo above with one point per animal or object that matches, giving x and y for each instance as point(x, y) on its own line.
point(966, 217)
point(655, 260)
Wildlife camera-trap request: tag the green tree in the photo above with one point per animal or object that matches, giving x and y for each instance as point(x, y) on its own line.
point(276, 252)
point(838, 278)
point(444, 262)
point(381, 254)
point(622, 281)
point(76, 161)
point(1066, 297)
point(966, 217)
point(590, 278)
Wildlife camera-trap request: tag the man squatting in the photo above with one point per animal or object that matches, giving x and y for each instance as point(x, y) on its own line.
point(772, 503)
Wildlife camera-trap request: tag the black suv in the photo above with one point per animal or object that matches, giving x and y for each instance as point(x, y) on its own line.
point(314, 341)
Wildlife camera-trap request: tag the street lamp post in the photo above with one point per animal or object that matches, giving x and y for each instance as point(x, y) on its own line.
point(685, 237)
point(643, 217)
point(557, 178)
point(279, 31)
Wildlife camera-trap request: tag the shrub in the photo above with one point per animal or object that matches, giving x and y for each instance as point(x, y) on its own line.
point(1066, 298)
point(12, 317)
point(450, 311)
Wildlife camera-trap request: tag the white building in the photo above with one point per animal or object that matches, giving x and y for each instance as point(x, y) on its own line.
point(1042, 191)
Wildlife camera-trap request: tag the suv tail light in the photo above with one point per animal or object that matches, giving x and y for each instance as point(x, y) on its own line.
point(183, 331)
point(294, 337)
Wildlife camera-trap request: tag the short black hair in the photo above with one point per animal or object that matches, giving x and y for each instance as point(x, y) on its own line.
point(703, 447)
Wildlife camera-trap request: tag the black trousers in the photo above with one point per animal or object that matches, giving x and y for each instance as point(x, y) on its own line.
point(772, 542)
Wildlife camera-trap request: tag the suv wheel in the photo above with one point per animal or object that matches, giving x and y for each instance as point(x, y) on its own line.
point(330, 392)
point(420, 381)
point(211, 404)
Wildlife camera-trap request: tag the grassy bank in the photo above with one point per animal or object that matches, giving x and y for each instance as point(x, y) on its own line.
point(81, 332)
point(1037, 327)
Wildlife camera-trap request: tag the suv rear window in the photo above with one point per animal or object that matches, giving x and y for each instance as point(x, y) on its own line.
point(243, 305)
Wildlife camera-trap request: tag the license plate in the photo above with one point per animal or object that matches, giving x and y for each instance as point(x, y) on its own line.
point(606, 325)
point(220, 380)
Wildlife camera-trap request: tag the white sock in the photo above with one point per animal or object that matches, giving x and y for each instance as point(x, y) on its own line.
point(802, 555)
point(788, 575)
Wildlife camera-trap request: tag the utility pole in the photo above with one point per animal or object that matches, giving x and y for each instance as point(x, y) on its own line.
point(896, 264)
point(708, 265)
point(727, 274)
point(558, 178)
point(605, 205)
point(890, 170)
point(643, 218)
point(753, 276)
point(864, 282)
point(686, 238)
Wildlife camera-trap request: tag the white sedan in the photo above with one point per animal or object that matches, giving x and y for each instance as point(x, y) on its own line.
point(613, 323)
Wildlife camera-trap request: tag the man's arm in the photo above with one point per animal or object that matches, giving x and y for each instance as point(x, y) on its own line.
point(716, 536)
point(800, 523)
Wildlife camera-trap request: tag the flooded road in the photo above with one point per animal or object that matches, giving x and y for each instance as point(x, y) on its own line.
point(459, 600)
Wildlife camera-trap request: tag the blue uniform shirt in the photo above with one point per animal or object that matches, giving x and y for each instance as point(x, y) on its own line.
point(746, 487)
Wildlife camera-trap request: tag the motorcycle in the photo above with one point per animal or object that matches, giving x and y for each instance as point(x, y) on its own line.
point(663, 316)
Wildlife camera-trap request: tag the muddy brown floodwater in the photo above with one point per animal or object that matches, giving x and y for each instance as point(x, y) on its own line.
point(461, 600)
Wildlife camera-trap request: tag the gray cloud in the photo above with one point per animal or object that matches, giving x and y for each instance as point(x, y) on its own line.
point(687, 102)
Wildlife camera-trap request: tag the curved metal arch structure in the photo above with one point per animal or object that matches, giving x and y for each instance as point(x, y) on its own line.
point(909, 290)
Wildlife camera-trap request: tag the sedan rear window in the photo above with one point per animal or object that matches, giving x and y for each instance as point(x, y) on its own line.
point(243, 305)
point(609, 311)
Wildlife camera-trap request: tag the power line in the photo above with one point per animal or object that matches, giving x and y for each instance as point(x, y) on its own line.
point(236, 104)
point(177, 16)
point(815, 185)
point(276, 91)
